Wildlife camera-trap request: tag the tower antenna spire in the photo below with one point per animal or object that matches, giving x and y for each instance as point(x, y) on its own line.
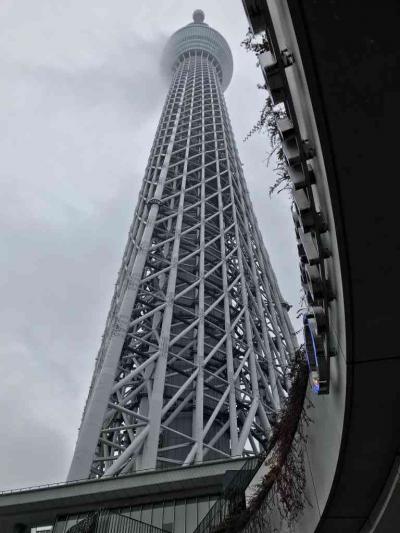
point(198, 16)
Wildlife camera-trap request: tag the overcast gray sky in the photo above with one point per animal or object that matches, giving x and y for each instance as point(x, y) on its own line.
point(80, 98)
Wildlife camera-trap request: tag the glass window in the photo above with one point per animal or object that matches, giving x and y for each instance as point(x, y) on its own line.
point(59, 527)
point(191, 515)
point(180, 518)
point(136, 513)
point(202, 508)
point(168, 516)
point(146, 514)
point(157, 515)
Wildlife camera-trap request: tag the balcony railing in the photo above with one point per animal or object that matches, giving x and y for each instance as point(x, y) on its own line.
point(103, 521)
point(232, 500)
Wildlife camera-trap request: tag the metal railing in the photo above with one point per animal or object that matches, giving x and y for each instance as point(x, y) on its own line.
point(104, 521)
point(232, 500)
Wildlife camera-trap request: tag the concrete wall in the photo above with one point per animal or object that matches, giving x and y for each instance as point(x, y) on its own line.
point(327, 414)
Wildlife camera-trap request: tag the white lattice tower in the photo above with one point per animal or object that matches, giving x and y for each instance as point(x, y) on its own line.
point(193, 361)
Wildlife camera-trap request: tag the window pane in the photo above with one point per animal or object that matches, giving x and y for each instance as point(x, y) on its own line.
point(180, 518)
point(191, 515)
point(168, 516)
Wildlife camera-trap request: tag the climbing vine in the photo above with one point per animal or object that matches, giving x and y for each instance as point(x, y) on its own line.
point(283, 486)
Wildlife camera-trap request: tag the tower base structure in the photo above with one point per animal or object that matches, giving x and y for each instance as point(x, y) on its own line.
point(175, 500)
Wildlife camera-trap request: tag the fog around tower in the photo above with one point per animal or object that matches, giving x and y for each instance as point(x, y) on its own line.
point(80, 99)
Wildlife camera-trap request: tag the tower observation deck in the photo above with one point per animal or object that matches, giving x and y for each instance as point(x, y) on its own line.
point(192, 366)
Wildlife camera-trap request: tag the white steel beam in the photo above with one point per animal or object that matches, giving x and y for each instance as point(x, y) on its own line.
point(193, 362)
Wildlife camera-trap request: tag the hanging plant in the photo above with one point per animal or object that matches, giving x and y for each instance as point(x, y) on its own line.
point(268, 122)
point(257, 44)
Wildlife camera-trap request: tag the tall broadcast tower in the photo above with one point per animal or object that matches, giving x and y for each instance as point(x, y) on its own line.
point(193, 362)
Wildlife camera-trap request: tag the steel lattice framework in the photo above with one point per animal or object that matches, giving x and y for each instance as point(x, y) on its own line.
point(193, 361)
